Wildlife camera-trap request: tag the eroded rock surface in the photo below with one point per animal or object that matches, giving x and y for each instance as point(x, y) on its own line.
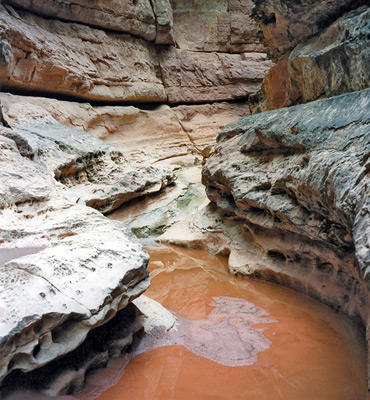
point(76, 60)
point(221, 26)
point(135, 17)
point(84, 268)
point(331, 63)
point(191, 76)
point(153, 135)
point(296, 182)
point(321, 50)
point(285, 23)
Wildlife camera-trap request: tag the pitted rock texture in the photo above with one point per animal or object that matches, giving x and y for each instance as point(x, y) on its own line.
point(92, 172)
point(75, 60)
point(223, 26)
point(135, 17)
point(191, 77)
point(78, 268)
point(67, 374)
point(331, 63)
point(296, 184)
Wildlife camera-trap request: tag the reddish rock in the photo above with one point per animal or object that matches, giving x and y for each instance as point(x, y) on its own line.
point(70, 59)
point(191, 77)
point(223, 26)
point(135, 17)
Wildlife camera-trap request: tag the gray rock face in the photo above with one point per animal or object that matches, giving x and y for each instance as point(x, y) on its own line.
point(164, 21)
point(72, 267)
point(296, 182)
point(331, 63)
point(285, 23)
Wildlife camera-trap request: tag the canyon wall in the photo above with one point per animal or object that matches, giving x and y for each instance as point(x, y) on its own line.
point(289, 187)
point(155, 81)
point(321, 49)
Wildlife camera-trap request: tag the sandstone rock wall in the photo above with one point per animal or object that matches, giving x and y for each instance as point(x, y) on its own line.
point(296, 183)
point(219, 26)
point(136, 17)
point(56, 57)
point(71, 266)
point(321, 49)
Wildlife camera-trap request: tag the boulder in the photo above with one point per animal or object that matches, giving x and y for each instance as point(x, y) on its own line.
point(59, 58)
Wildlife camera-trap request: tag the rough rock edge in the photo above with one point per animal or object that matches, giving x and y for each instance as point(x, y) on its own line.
point(37, 210)
point(321, 56)
point(292, 193)
point(66, 375)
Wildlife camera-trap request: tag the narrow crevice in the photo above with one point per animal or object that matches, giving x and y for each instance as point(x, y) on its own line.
point(148, 106)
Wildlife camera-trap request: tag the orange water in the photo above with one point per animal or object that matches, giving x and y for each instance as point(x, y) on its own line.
point(315, 353)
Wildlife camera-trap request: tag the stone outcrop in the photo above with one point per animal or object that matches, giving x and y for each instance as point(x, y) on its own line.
point(72, 267)
point(286, 23)
point(75, 60)
point(331, 63)
point(114, 340)
point(164, 22)
point(220, 26)
point(142, 135)
point(191, 77)
point(135, 17)
point(83, 62)
point(296, 183)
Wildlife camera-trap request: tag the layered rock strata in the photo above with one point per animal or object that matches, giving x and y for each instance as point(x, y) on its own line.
point(321, 51)
point(72, 267)
point(76, 60)
point(141, 135)
point(91, 64)
point(191, 77)
point(128, 16)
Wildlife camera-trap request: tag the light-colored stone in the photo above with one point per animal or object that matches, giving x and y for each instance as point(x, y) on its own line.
point(88, 269)
point(202, 122)
point(75, 268)
point(155, 315)
point(153, 135)
point(70, 59)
